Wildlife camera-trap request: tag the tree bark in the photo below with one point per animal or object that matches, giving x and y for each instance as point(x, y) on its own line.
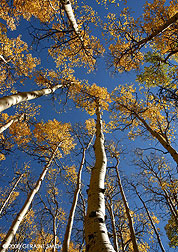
point(11, 100)
point(66, 242)
point(13, 120)
point(70, 14)
point(110, 210)
point(12, 190)
point(67, 236)
point(15, 225)
point(96, 235)
point(127, 209)
point(54, 234)
point(156, 135)
point(151, 221)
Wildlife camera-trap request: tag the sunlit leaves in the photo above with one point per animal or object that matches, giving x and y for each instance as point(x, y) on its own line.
point(77, 53)
point(20, 132)
point(87, 97)
point(15, 60)
point(90, 125)
point(157, 28)
point(53, 133)
point(132, 112)
point(172, 232)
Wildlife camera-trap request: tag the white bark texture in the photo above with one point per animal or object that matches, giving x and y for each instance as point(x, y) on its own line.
point(10, 194)
point(13, 120)
point(127, 210)
point(16, 223)
point(70, 14)
point(11, 100)
point(96, 234)
point(113, 222)
point(66, 242)
point(54, 234)
point(151, 221)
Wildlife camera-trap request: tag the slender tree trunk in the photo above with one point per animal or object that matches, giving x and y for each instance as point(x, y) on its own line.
point(126, 205)
point(170, 203)
point(13, 120)
point(15, 225)
point(54, 234)
point(11, 100)
point(11, 192)
point(110, 210)
point(70, 14)
point(67, 236)
point(96, 235)
point(162, 141)
point(66, 242)
point(151, 221)
point(155, 33)
point(156, 135)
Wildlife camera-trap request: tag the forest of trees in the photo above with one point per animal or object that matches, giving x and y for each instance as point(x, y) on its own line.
point(88, 125)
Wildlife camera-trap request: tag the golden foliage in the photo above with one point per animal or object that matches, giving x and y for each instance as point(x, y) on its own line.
point(15, 60)
point(71, 174)
point(20, 132)
point(53, 133)
point(134, 112)
point(76, 53)
point(87, 96)
point(128, 35)
point(90, 125)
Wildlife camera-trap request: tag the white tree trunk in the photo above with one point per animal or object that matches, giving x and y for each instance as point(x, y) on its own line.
point(11, 100)
point(127, 210)
point(67, 236)
point(151, 221)
point(66, 242)
point(15, 225)
point(54, 234)
point(110, 210)
point(70, 14)
point(13, 120)
point(96, 234)
point(11, 192)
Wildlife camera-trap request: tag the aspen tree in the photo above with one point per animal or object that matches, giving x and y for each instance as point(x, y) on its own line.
point(95, 228)
point(11, 121)
point(156, 27)
point(162, 188)
point(125, 202)
point(51, 207)
point(53, 132)
point(150, 218)
point(11, 100)
point(109, 206)
point(10, 193)
point(14, 227)
point(68, 231)
point(147, 114)
point(70, 14)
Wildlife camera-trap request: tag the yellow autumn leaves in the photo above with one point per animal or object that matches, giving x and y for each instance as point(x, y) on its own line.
point(15, 61)
point(136, 113)
point(87, 96)
point(128, 35)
